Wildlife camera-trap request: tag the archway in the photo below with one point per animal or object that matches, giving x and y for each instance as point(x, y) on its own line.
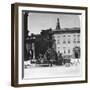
point(76, 52)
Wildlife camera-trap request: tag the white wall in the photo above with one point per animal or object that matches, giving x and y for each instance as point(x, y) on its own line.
point(5, 45)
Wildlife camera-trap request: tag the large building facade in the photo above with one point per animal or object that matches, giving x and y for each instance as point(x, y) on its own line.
point(67, 41)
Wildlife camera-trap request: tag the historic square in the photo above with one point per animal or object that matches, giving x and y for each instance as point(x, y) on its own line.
point(52, 50)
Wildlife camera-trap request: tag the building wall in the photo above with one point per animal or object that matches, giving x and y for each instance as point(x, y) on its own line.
point(66, 42)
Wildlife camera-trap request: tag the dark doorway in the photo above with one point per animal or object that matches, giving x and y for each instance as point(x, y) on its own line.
point(76, 51)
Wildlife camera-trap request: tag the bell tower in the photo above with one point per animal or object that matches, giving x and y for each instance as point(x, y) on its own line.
point(58, 25)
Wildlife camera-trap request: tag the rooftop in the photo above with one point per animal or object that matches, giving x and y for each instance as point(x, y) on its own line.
point(66, 30)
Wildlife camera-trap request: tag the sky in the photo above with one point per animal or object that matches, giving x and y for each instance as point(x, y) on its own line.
point(42, 21)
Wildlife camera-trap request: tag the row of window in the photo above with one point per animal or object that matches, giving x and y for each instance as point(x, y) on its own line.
point(67, 51)
point(64, 42)
point(69, 36)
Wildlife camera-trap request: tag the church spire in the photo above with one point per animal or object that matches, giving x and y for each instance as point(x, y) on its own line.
point(58, 24)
